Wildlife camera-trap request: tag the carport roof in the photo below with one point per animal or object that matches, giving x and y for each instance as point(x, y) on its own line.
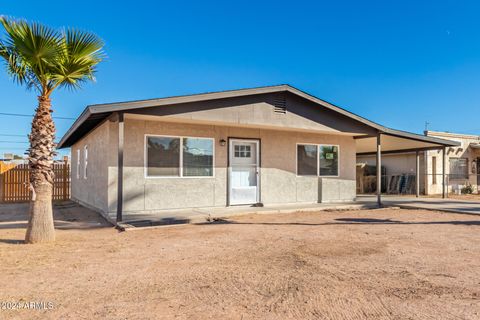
point(393, 143)
point(95, 114)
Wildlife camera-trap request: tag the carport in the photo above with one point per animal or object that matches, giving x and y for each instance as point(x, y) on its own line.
point(390, 141)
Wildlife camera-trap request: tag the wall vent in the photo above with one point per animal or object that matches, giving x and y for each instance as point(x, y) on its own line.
point(280, 104)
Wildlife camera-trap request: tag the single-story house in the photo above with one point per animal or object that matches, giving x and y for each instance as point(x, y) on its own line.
point(261, 146)
point(462, 164)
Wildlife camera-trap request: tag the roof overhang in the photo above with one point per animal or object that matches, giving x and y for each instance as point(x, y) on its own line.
point(95, 114)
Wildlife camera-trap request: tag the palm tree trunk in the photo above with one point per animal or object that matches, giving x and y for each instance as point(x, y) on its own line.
point(42, 150)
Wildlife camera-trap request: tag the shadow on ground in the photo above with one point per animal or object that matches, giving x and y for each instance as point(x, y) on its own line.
point(67, 215)
point(350, 221)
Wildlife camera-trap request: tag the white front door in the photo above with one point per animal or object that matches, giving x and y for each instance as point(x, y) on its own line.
point(243, 171)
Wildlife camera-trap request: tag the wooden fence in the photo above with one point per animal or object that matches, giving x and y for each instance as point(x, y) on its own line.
point(14, 183)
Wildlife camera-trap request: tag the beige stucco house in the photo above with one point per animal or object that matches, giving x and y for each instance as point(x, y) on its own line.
point(261, 146)
point(461, 161)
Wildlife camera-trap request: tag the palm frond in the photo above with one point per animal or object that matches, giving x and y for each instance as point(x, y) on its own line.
point(41, 57)
point(82, 51)
point(3, 49)
point(83, 46)
point(32, 48)
point(16, 68)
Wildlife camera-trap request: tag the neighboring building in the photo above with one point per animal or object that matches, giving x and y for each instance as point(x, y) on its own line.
point(12, 157)
point(462, 164)
point(260, 146)
point(8, 156)
point(462, 160)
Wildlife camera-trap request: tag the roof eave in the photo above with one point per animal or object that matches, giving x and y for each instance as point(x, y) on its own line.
point(132, 105)
point(80, 120)
point(129, 105)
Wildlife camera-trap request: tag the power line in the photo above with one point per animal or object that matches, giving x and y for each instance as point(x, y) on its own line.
point(31, 115)
point(13, 135)
point(4, 141)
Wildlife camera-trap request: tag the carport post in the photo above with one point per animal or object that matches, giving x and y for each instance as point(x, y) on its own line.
point(444, 164)
point(379, 170)
point(417, 173)
point(121, 130)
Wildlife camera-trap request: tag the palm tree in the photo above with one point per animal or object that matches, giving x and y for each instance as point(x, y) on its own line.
point(44, 59)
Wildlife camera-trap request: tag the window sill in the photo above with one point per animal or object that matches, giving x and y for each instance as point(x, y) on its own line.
point(176, 177)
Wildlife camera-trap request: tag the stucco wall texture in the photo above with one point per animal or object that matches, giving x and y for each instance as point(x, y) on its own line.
point(92, 191)
point(278, 180)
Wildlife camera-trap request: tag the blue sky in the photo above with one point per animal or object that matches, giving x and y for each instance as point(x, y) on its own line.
point(399, 63)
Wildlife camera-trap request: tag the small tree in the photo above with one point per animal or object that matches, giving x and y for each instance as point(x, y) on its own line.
point(44, 59)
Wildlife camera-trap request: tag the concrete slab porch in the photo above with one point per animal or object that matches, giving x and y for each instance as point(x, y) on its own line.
point(201, 215)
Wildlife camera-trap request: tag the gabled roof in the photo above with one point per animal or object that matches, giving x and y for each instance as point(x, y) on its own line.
point(94, 114)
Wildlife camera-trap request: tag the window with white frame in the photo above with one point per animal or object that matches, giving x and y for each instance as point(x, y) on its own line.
point(179, 156)
point(78, 163)
point(197, 157)
point(328, 160)
point(307, 160)
point(315, 160)
point(85, 162)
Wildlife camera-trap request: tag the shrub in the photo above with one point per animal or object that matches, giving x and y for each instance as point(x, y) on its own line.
point(467, 189)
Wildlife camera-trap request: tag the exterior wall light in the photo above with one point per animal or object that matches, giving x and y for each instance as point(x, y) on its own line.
point(223, 142)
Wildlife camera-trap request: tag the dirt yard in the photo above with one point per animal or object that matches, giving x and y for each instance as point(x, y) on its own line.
point(377, 264)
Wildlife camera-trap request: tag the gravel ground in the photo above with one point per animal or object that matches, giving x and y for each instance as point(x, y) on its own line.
point(369, 264)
